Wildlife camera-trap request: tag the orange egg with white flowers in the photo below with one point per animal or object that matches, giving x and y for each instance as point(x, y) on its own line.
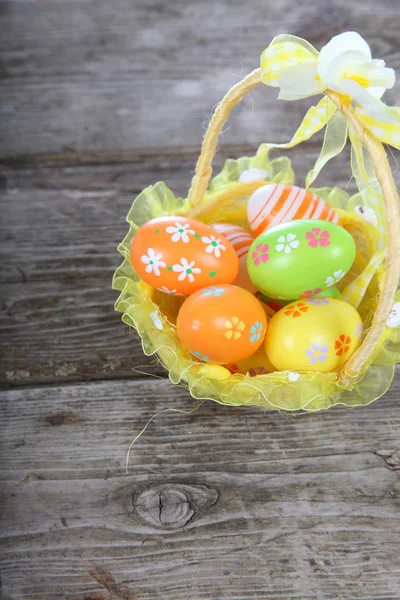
point(179, 255)
point(221, 324)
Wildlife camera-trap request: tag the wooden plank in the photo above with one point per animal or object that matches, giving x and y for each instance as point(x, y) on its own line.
point(59, 231)
point(61, 332)
point(224, 503)
point(94, 75)
point(58, 255)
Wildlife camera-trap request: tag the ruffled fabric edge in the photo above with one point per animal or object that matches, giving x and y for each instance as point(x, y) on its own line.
point(280, 390)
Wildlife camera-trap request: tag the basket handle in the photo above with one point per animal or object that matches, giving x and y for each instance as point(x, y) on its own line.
point(203, 170)
point(390, 196)
point(383, 174)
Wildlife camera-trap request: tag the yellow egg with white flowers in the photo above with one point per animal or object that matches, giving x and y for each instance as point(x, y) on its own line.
point(316, 334)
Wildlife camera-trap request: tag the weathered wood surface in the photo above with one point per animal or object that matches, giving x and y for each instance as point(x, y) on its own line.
point(100, 99)
point(219, 504)
point(94, 75)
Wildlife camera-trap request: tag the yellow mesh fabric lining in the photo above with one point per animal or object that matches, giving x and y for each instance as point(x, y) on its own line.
point(153, 314)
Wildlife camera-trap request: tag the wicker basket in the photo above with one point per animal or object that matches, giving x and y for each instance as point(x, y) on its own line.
point(371, 286)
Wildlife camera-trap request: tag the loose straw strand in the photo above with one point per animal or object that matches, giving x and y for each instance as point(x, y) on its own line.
point(203, 171)
point(392, 212)
point(164, 410)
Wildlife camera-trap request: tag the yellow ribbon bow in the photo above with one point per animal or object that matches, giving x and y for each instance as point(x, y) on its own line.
point(344, 68)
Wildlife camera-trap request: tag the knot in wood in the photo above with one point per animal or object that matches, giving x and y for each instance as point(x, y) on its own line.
point(59, 419)
point(172, 506)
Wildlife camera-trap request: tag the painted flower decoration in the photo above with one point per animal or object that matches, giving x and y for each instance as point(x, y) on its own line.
point(168, 291)
point(153, 262)
point(317, 352)
point(234, 328)
point(213, 290)
point(344, 65)
point(335, 278)
point(310, 293)
point(214, 245)
point(296, 310)
point(274, 304)
point(368, 214)
point(180, 232)
point(200, 356)
point(258, 371)
point(252, 175)
point(287, 243)
point(317, 237)
point(318, 301)
point(260, 254)
point(342, 345)
point(186, 269)
point(255, 331)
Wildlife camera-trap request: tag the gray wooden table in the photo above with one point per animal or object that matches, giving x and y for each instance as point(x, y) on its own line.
point(100, 99)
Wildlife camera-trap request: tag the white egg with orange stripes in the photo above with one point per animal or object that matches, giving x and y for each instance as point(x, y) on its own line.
point(273, 204)
point(241, 241)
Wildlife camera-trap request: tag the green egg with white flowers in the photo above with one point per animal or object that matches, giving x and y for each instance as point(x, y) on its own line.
point(299, 259)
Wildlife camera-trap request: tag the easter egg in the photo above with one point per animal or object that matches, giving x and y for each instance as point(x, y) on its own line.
point(256, 364)
point(368, 214)
point(241, 240)
point(300, 258)
point(393, 320)
point(221, 324)
point(277, 203)
point(252, 175)
point(317, 334)
point(178, 255)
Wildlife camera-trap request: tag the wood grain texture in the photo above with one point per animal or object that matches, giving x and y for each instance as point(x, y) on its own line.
point(223, 503)
point(126, 75)
point(99, 100)
point(58, 255)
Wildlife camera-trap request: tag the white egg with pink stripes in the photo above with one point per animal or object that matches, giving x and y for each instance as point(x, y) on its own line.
point(273, 204)
point(241, 241)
